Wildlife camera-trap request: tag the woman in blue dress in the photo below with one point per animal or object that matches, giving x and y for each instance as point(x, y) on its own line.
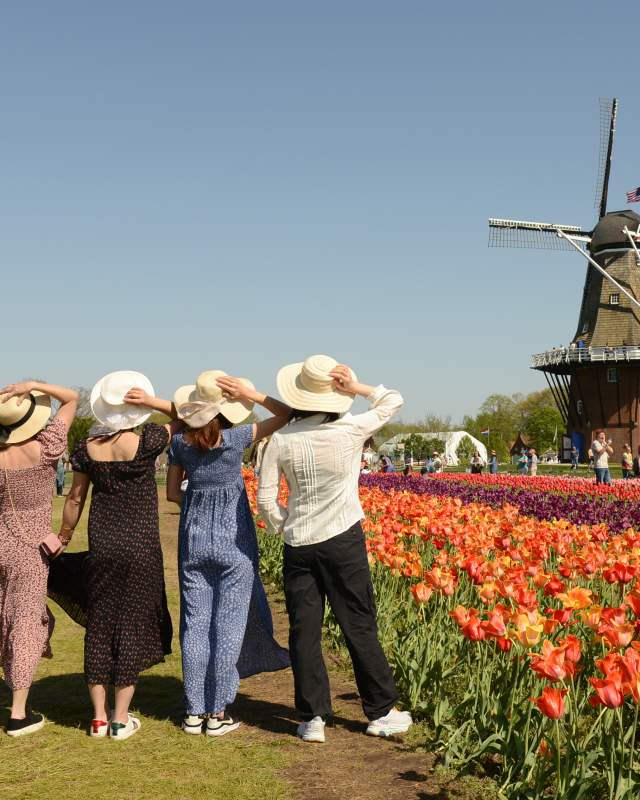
point(226, 631)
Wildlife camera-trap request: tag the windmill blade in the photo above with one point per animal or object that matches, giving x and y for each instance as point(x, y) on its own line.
point(533, 235)
point(608, 113)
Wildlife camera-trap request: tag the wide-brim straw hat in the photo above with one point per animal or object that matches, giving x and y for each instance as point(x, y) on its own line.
point(307, 386)
point(107, 400)
point(197, 404)
point(21, 421)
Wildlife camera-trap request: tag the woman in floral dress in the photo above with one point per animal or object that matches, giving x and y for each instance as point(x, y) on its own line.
point(29, 452)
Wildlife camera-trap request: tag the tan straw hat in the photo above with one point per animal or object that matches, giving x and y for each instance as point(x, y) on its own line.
point(307, 386)
point(107, 400)
point(21, 421)
point(199, 403)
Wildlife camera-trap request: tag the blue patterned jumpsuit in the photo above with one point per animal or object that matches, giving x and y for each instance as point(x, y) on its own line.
point(226, 631)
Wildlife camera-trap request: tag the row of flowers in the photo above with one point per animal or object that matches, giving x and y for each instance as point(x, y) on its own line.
point(579, 507)
point(560, 484)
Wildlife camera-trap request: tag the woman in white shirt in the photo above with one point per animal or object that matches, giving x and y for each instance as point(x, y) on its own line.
point(325, 556)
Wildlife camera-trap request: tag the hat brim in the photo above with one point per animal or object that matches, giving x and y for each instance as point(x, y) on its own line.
point(295, 395)
point(121, 416)
point(235, 411)
point(36, 422)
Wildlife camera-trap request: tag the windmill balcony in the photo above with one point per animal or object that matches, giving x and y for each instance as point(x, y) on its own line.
point(565, 356)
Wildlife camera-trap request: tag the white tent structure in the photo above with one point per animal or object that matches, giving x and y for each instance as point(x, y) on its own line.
point(450, 440)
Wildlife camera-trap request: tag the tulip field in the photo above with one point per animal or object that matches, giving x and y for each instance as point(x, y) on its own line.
point(509, 610)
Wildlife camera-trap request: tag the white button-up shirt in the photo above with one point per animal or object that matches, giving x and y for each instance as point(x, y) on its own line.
point(321, 464)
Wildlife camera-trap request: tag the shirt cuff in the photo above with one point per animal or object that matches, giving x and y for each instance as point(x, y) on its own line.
point(376, 394)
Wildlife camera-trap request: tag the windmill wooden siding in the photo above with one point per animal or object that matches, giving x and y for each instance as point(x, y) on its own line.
point(608, 324)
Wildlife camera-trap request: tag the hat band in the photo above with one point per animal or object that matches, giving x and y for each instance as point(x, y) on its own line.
point(7, 430)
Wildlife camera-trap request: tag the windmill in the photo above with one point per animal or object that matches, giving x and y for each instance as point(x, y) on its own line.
point(595, 379)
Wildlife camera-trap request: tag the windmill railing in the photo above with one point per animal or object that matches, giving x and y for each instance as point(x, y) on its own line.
point(584, 355)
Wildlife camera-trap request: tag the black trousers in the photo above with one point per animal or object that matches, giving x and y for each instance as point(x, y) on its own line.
point(336, 570)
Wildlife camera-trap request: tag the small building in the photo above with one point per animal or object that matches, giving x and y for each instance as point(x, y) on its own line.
point(521, 443)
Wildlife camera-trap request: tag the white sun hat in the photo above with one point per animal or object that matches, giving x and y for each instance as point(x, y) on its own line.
point(307, 386)
point(197, 404)
point(21, 421)
point(107, 400)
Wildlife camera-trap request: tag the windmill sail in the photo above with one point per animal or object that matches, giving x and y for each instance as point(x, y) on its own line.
point(533, 235)
point(608, 113)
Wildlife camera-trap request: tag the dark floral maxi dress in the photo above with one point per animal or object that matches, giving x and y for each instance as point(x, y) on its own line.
point(128, 624)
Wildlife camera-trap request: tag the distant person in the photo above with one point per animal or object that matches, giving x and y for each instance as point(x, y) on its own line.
point(436, 463)
point(636, 465)
point(575, 455)
point(60, 477)
point(590, 457)
point(533, 462)
point(407, 470)
point(627, 462)
point(523, 462)
point(602, 449)
point(477, 463)
point(364, 466)
point(427, 467)
point(493, 463)
point(386, 464)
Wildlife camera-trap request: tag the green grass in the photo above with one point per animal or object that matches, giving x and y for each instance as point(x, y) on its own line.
point(61, 761)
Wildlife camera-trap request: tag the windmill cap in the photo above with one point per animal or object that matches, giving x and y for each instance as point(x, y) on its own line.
point(608, 235)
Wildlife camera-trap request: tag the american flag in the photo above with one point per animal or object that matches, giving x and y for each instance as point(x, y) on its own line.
point(634, 196)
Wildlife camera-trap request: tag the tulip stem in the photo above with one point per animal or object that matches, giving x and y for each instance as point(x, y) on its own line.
point(633, 741)
point(560, 782)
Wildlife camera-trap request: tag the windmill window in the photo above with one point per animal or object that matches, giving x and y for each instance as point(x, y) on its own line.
point(612, 375)
point(585, 327)
point(579, 407)
point(614, 299)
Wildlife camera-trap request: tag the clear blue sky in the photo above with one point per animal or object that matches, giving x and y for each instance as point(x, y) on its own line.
point(199, 185)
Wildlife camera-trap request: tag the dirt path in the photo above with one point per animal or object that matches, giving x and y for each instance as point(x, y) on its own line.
point(350, 765)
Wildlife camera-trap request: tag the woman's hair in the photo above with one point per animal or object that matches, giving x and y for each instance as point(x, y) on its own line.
point(329, 416)
point(207, 436)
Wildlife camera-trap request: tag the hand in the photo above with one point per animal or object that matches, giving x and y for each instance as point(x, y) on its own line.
point(343, 380)
point(234, 388)
point(137, 397)
point(58, 552)
point(19, 390)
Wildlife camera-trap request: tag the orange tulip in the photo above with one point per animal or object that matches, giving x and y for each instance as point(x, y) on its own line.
point(421, 592)
point(551, 702)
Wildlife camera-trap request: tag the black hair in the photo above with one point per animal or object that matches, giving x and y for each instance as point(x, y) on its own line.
point(329, 416)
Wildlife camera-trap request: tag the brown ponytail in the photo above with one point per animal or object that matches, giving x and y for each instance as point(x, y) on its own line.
point(207, 436)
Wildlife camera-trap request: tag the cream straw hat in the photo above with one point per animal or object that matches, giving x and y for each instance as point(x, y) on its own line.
point(107, 400)
point(307, 386)
point(197, 404)
point(19, 422)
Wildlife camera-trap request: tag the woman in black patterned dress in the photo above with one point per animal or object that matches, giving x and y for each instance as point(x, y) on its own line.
point(128, 624)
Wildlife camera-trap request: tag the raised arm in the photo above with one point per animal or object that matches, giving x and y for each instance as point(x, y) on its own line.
point(384, 403)
point(138, 397)
point(235, 389)
point(68, 398)
point(73, 506)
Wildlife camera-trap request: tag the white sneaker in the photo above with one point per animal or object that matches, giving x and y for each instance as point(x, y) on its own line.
point(312, 730)
point(392, 723)
point(218, 726)
point(121, 731)
point(192, 724)
point(99, 729)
